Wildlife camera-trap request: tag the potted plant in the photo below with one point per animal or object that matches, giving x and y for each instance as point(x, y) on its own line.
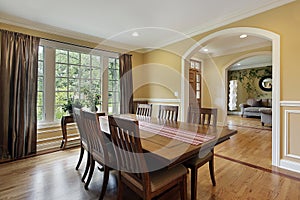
point(69, 106)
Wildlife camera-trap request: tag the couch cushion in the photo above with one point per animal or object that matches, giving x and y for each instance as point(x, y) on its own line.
point(252, 109)
point(266, 111)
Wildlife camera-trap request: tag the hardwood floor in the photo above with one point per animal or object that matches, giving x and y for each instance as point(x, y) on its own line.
point(243, 170)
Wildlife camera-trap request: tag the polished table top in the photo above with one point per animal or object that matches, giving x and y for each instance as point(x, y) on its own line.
point(172, 151)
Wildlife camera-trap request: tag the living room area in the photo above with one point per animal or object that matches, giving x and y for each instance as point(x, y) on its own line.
point(250, 90)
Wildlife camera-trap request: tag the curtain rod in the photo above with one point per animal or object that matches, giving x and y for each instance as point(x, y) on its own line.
point(68, 43)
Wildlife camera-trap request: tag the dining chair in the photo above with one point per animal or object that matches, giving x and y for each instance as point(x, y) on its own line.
point(133, 170)
point(84, 144)
point(100, 148)
point(206, 117)
point(144, 110)
point(168, 112)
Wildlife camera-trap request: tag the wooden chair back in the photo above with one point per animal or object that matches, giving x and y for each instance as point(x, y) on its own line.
point(97, 139)
point(128, 148)
point(77, 115)
point(168, 112)
point(204, 116)
point(144, 110)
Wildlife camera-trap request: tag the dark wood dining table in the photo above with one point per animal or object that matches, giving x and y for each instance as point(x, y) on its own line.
point(166, 140)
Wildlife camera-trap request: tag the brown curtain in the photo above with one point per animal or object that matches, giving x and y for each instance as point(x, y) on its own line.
point(126, 88)
point(18, 86)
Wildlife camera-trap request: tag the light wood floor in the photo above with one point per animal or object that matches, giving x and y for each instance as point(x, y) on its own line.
point(242, 167)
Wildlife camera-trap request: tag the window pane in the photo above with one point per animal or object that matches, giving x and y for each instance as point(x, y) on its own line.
point(61, 84)
point(85, 72)
point(41, 68)
point(40, 99)
point(40, 83)
point(74, 85)
point(61, 70)
point(74, 71)
point(39, 113)
point(61, 98)
point(59, 112)
point(96, 61)
point(74, 57)
point(61, 56)
point(85, 59)
point(96, 73)
point(41, 53)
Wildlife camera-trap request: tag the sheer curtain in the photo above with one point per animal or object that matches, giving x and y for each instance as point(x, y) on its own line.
point(126, 88)
point(18, 86)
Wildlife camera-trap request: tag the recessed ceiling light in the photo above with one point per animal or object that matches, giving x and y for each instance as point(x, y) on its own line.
point(243, 36)
point(238, 64)
point(206, 50)
point(135, 34)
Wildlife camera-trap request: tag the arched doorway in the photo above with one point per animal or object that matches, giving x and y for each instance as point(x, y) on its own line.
point(275, 38)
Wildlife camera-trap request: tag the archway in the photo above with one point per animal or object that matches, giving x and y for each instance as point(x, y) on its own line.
point(275, 38)
point(238, 59)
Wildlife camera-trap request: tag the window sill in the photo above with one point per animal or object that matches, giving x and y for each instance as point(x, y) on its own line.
point(43, 125)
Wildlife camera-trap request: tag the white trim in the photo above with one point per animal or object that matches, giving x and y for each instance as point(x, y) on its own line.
point(275, 38)
point(74, 47)
point(157, 100)
point(286, 142)
point(228, 51)
point(290, 165)
point(290, 103)
point(233, 17)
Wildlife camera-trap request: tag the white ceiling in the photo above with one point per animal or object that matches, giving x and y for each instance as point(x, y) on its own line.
point(159, 22)
point(232, 43)
point(252, 62)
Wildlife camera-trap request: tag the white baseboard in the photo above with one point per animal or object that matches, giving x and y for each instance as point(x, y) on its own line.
point(290, 165)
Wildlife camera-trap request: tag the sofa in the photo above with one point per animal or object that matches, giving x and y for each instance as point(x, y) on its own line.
point(252, 107)
point(266, 116)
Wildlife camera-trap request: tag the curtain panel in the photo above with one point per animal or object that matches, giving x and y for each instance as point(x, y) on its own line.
point(126, 88)
point(18, 86)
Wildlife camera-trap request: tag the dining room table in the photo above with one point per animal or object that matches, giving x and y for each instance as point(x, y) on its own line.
point(168, 143)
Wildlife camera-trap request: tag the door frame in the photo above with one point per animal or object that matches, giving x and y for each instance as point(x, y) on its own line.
point(275, 38)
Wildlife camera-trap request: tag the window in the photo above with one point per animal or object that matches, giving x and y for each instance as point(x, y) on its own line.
point(113, 86)
point(77, 77)
point(68, 72)
point(195, 82)
point(40, 89)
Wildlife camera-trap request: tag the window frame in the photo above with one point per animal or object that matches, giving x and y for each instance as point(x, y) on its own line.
point(49, 75)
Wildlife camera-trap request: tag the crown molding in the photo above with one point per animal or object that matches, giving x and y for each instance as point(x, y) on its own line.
point(8, 19)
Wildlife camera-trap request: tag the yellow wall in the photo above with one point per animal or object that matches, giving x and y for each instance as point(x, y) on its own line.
point(157, 73)
point(159, 76)
point(284, 21)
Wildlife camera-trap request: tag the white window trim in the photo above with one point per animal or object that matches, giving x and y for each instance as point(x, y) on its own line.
point(49, 76)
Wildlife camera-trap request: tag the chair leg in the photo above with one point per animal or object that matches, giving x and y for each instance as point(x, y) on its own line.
point(105, 181)
point(212, 171)
point(90, 174)
point(87, 166)
point(120, 188)
point(80, 157)
point(194, 178)
point(183, 192)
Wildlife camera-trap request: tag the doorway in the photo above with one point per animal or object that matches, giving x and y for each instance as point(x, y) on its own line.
point(218, 89)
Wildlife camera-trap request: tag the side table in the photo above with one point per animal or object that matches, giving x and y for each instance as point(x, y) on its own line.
point(64, 121)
